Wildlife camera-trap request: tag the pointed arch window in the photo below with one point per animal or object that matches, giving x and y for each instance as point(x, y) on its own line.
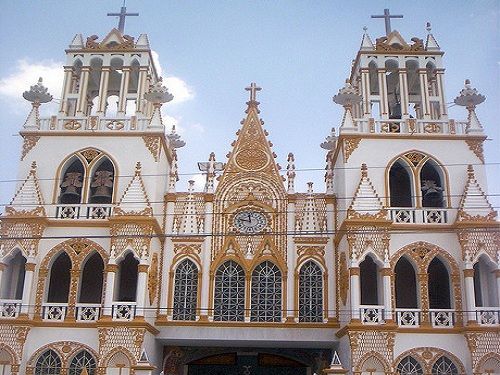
point(229, 296)
point(60, 279)
point(185, 291)
point(266, 293)
point(128, 273)
point(439, 285)
point(444, 366)
point(83, 360)
point(13, 277)
point(310, 293)
point(92, 280)
point(406, 284)
point(431, 185)
point(401, 185)
point(409, 366)
point(368, 272)
point(101, 186)
point(48, 363)
point(72, 182)
point(485, 284)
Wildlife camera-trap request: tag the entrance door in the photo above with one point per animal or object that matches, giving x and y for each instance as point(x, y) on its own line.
point(246, 363)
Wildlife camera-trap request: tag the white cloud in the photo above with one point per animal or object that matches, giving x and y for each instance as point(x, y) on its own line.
point(198, 128)
point(176, 86)
point(199, 181)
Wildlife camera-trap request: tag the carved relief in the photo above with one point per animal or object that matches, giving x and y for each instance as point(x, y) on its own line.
point(427, 357)
point(350, 144)
point(29, 142)
point(153, 279)
point(475, 241)
point(343, 281)
point(476, 146)
point(153, 144)
point(365, 343)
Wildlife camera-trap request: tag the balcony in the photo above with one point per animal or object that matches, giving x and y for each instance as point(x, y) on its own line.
point(10, 308)
point(405, 215)
point(87, 312)
point(91, 211)
point(372, 314)
point(488, 316)
point(410, 126)
point(54, 311)
point(442, 318)
point(408, 317)
point(123, 311)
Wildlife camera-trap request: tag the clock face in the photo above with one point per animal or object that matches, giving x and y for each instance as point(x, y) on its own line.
point(250, 221)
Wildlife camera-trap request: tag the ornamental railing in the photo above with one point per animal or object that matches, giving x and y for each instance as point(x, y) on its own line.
point(488, 316)
point(79, 124)
point(10, 308)
point(87, 312)
point(372, 314)
point(442, 318)
point(400, 215)
point(408, 317)
point(124, 311)
point(90, 211)
point(54, 311)
point(410, 126)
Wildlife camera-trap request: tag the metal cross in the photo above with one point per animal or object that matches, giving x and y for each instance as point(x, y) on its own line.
point(123, 13)
point(387, 16)
point(253, 91)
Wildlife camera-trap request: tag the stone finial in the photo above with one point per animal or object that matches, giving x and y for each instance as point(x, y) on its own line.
point(290, 173)
point(330, 141)
point(347, 96)
point(158, 94)
point(428, 27)
point(210, 167)
point(469, 97)
point(38, 93)
point(175, 139)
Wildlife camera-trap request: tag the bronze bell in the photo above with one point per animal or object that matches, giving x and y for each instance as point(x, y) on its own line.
point(103, 184)
point(72, 187)
point(433, 194)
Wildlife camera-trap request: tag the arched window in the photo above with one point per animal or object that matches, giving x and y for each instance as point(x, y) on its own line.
point(5, 362)
point(266, 293)
point(91, 280)
point(80, 361)
point(439, 285)
point(127, 279)
point(13, 277)
point(485, 284)
point(72, 182)
point(118, 364)
point(431, 185)
point(368, 275)
point(185, 291)
point(310, 293)
point(229, 296)
point(406, 284)
point(48, 363)
point(401, 185)
point(101, 185)
point(409, 366)
point(444, 366)
point(60, 279)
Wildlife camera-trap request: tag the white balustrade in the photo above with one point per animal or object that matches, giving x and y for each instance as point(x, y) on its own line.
point(408, 317)
point(93, 123)
point(124, 310)
point(54, 311)
point(10, 308)
point(488, 316)
point(91, 211)
point(442, 318)
point(87, 312)
point(401, 215)
point(410, 126)
point(372, 314)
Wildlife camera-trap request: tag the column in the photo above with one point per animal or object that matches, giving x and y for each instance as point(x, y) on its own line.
point(355, 292)
point(167, 251)
point(141, 88)
point(423, 281)
point(424, 92)
point(206, 259)
point(72, 297)
point(365, 91)
point(68, 78)
point(141, 289)
point(440, 88)
point(103, 90)
point(386, 275)
point(27, 287)
point(470, 296)
point(122, 100)
point(111, 270)
point(403, 91)
point(82, 94)
point(384, 104)
point(330, 227)
point(291, 310)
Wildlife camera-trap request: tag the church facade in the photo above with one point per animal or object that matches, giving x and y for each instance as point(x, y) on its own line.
point(109, 267)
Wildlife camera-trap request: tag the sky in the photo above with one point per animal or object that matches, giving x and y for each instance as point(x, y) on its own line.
point(299, 52)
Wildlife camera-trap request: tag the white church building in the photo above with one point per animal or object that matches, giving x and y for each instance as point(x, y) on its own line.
point(392, 270)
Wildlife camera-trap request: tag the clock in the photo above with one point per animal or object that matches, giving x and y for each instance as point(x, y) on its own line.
point(250, 221)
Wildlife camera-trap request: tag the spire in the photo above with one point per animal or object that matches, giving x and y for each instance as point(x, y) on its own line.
point(77, 42)
point(29, 196)
point(469, 98)
point(37, 95)
point(157, 95)
point(210, 168)
point(431, 44)
point(347, 97)
point(365, 203)
point(290, 173)
point(335, 366)
point(366, 41)
point(134, 200)
point(309, 218)
point(474, 205)
point(189, 220)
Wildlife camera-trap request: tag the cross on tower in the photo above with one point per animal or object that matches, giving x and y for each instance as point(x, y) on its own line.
point(253, 91)
point(123, 13)
point(387, 16)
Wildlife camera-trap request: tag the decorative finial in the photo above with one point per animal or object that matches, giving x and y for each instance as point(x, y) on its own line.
point(138, 167)
point(330, 142)
point(175, 139)
point(290, 173)
point(347, 96)
point(33, 166)
point(428, 27)
point(37, 94)
point(387, 18)
point(122, 15)
point(469, 97)
point(158, 94)
point(365, 29)
point(210, 167)
point(253, 88)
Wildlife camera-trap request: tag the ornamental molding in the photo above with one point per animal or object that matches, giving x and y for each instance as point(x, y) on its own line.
point(153, 279)
point(427, 357)
point(153, 144)
point(476, 146)
point(65, 349)
point(369, 344)
point(350, 144)
point(343, 278)
point(29, 141)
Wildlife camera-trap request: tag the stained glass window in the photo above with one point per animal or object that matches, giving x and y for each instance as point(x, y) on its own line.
point(266, 293)
point(310, 293)
point(229, 296)
point(82, 360)
point(185, 291)
point(444, 366)
point(48, 363)
point(409, 366)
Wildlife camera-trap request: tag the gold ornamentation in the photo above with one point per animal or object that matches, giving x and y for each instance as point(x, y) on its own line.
point(381, 44)
point(432, 128)
point(153, 144)
point(427, 357)
point(350, 144)
point(343, 278)
point(90, 154)
point(93, 123)
point(412, 125)
point(153, 279)
point(72, 125)
point(135, 235)
point(53, 122)
point(476, 146)
point(390, 127)
point(115, 125)
point(187, 249)
point(29, 142)
point(251, 159)
point(414, 157)
point(371, 344)
point(452, 126)
point(474, 241)
point(78, 247)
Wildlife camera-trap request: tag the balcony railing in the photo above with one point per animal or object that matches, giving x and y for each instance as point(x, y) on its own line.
point(124, 311)
point(81, 124)
point(372, 314)
point(488, 316)
point(401, 215)
point(410, 126)
point(54, 311)
point(408, 317)
point(87, 312)
point(10, 308)
point(442, 318)
point(83, 211)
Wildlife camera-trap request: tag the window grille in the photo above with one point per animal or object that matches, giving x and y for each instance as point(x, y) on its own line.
point(444, 366)
point(229, 296)
point(185, 291)
point(409, 366)
point(48, 363)
point(310, 293)
point(266, 293)
point(80, 361)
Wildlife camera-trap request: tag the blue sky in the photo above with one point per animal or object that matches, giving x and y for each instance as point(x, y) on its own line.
point(299, 52)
